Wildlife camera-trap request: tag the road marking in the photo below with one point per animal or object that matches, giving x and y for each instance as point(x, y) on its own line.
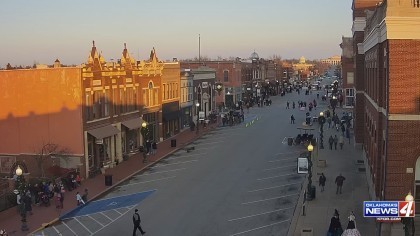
point(117, 211)
point(286, 159)
point(142, 182)
point(268, 199)
point(278, 186)
point(264, 213)
point(83, 225)
point(105, 199)
point(176, 163)
point(272, 177)
point(165, 171)
point(64, 223)
point(112, 221)
point(56, 230)
point(95, 220)
point(280, 167)
point(265, 226)
point(106, 216)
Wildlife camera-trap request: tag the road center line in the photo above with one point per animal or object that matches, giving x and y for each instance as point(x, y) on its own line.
point(268, 199)
point(165, 171)
point(280, 167)
point(264, 213)
point(272, 177)
point(278, 186)
point(142, 182)
point(176, 163)
point(265, 226)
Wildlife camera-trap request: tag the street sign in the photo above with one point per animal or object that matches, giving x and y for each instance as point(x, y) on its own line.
point(201, 115)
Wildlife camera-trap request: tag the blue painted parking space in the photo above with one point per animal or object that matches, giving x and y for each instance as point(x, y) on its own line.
point(107, 204)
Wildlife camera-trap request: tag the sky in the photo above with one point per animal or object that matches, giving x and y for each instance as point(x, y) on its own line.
point(42, 31)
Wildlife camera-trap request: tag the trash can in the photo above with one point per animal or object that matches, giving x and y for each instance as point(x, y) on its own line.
point(290, 141)
point(108, 180)
point(313, 192)
point(173, 142)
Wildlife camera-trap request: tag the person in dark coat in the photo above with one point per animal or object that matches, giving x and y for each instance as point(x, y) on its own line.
point(292, 119)
point(154, 147)
point(322, 180)
point(335, 228)
point(136, 222)
point(331, 141)
point(335, 141)
point(339, 181)
point(27, 200)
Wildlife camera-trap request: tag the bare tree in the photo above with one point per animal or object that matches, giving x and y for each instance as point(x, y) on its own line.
point(275, 57)
point(45, 152)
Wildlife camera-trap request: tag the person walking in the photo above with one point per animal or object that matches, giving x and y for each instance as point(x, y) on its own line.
point(293, 105)
point(287, 105)
point(351, 227)
point(348, 134)
point(292, 119)
point(85, 195)
point(329, 120)
point(339, 181)
point(154, 147)
point(322, 180)
point(79, 199)
point(335, 141)
point(27, 201)
point(341, 141)
point(136, 222)
point(331, 142)
point(335, 228)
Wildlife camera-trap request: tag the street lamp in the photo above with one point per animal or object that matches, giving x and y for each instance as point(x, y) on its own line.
point(20, 182)
point(408, 222)
point(333, 103)
point(197, 105)
point(143, 132)
point(321, 121)
point(309, 191)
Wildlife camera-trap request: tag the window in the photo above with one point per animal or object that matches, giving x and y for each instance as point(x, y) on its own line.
point(225, 76)
point(106, 103)
point(114, 101)
point(88, 107)
point(122, 101)
point(156, 96)
point(145, 98)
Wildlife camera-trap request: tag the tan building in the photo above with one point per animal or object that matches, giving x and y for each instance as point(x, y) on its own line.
point(171, 80)
point(334, 60)
point(302, 69)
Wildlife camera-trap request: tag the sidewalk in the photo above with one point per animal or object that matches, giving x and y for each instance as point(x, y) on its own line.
point(355, 190)
point(42, 216)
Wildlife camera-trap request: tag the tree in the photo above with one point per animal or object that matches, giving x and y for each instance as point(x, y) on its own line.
point(9, 67)
point(46, 151)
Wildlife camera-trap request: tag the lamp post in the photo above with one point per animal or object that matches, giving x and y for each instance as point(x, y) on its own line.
point(309, 191)
point(21, 189)
point(143, 132)
point(321, 121)
point(197, 105)
point(408, 222)
point(333, 103)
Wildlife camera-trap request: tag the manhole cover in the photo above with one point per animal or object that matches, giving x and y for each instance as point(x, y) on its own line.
point(362, 169)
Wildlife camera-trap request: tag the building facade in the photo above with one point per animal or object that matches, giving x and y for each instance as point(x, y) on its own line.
point(186, 99)
point(334, 60)
point(171, 79)
point(204, 79)
point(347, 72)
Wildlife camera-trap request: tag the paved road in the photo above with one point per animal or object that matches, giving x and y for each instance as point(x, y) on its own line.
point(238, 181)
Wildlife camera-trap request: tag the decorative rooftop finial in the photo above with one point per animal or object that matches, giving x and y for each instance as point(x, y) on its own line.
point(125, 46)
point(93, 42)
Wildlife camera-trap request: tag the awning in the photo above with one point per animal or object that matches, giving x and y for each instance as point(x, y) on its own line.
point(133, 124)
point(171, 116)
point(104, 132)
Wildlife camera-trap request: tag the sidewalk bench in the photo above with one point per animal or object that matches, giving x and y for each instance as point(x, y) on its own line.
point(306, 232)
point(322, 163)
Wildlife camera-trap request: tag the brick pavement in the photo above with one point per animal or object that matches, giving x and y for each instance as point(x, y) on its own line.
point(42, 216)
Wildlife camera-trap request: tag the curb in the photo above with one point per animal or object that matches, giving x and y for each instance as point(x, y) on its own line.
point(297, 211)
point(45, 225)
point(252, 121)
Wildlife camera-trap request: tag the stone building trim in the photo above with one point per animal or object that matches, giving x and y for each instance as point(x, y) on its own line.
point(403, 117)
point(374, 104)
point(359, 24)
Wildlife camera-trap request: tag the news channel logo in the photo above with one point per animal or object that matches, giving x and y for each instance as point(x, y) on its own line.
point(380, 209)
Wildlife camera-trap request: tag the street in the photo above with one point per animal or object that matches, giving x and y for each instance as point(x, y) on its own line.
point(238, 181)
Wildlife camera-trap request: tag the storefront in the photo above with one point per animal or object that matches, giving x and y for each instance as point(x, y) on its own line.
point(152, 125)
point(130, 135)
point(186, 117)
point(101, 147)
point(170, 119)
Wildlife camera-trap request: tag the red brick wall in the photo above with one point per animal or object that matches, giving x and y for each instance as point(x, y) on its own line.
point(404, 73)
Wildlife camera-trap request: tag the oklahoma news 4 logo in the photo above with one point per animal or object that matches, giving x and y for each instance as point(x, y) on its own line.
point(388, 209)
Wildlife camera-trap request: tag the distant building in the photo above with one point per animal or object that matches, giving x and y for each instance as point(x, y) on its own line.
point(347, 71)
point(334, 60)
point(187, 99)
point(302, 69)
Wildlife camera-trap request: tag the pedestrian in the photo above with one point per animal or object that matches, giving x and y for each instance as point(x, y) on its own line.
point(136, 222)
point(348, 134)
point(351, 227)
point(79, 199)
point(341, 141)
point(335, 142)
point(339, 181)
point(85, 195)
point(293, 105)
point(322, 181)
point(329, 120)
point(58, 202)
point(331, 141)
point(287, 105)
point(145, 156)
point(335, 228)
point(154, 147)
point(292, 119)
point(27, 200)
point(148, 145)
point(343, 129)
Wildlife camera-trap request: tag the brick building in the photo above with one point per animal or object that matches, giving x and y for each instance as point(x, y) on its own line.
point(347, 71)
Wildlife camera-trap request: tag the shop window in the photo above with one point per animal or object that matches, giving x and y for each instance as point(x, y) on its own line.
point(225, 76)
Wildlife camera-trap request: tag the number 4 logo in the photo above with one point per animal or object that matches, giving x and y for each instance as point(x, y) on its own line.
point(406, 209)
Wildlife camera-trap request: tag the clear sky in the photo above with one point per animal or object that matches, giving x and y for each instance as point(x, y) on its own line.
point(44, 30)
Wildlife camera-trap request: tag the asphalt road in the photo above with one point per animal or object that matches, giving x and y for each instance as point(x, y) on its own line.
point(238, 181)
